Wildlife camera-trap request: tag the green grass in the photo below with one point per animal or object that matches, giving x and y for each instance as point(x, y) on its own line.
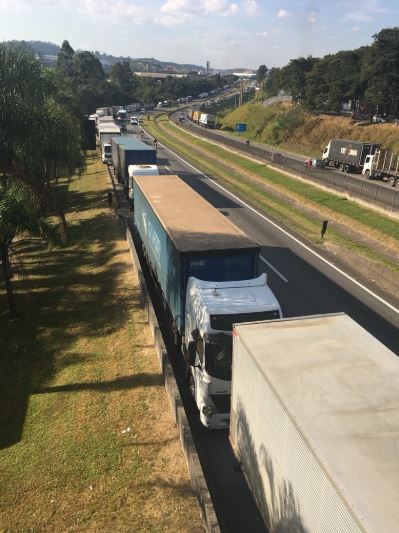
point(281, 210)
point(76, 369)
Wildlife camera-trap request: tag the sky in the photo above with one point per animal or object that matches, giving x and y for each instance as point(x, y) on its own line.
point(228, 33)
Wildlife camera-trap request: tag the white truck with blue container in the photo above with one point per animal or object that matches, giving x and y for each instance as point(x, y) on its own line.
point(130, 151)
point(206, 269)
point(315, 424)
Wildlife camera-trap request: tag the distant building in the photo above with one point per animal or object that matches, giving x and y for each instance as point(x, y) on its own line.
point(159, 75)
point(245, 75)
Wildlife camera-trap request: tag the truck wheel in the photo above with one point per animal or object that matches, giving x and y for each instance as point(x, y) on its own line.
point(341, 167)
point(367, 174)
point(397, 183)
point(346, 168)
point(392, 181)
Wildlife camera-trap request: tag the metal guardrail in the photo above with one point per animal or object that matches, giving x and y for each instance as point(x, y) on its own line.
point(366, 190)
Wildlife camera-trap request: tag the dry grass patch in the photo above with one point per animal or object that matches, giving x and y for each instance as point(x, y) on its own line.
point(88, 442)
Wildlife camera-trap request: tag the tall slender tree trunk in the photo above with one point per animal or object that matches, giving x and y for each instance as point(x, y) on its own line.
point(5, 262)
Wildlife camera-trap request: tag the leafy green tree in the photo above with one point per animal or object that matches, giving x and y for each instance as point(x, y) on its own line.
point(293, 76)
point(88, 69)
point(65, 62)
point(261, 73)
point(121, 76)
point(381, 70)
point(19, 216)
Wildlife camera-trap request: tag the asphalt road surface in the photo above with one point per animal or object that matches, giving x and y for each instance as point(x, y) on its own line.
point(305, 283)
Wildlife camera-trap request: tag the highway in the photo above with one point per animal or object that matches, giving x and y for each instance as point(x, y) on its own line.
point(305, 283)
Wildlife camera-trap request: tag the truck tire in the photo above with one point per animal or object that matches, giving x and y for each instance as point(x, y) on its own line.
point(392, 181)
point(341, 167)
point(397, 183)
point(367, 174)
point(346, 168)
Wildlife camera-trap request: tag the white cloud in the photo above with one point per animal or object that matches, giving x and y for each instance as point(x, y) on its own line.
point(179, 11)
point(283, 13)
point(312, 17)
point(262, 34)
point(359, 16)
point(121, 9)
point(7, 6)
point(356, 28)
point(250, 6)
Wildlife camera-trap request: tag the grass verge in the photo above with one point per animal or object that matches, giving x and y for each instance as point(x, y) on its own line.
point(286, 200)
point(87, 440)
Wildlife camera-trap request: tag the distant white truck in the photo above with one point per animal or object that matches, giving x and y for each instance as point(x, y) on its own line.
point(315, 424)
point(383, 165)
point(140, 170)
point(206, 120)
point(106, 131)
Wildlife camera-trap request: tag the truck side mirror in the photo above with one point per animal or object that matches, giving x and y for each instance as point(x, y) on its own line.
point(191, 353)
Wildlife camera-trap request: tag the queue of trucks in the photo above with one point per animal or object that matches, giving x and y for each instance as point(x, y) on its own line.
point(204, 119)
point(311, 403)
point(370, 159)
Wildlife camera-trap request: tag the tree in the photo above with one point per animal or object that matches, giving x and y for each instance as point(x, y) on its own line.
point(19, 216)
point(88, 69)
point(65, 62)
point(121, 76)
point(261, 73)
point(38, 138)
point(293, 76)
point(381, 70)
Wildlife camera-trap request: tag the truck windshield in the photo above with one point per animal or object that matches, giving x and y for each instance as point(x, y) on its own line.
point(107, 150)
point(218, 349)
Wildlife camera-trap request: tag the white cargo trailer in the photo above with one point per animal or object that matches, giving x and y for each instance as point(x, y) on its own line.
point(315, 424)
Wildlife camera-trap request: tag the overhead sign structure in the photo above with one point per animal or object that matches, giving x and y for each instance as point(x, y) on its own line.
point(240, 128)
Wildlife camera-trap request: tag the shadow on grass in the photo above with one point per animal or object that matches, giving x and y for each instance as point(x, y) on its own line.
point(70, 294)
point(122, 383)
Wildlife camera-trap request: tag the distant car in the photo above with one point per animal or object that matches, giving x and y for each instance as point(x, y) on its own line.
point(318, 163)
point(142, 110)
point(134, 121)
point(378, 119)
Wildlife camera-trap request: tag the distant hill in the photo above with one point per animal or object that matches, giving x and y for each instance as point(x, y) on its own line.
point(136, 64)
point(38, 47)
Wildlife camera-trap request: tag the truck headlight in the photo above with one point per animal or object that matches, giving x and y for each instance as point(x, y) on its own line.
point(207, 411)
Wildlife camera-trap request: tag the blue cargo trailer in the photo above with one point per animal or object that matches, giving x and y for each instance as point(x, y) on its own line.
point(183, 235)
point(132, 151)
point(115, 143)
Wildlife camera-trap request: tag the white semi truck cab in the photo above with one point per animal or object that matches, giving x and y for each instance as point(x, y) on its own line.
point(211, 310)
point(106, 153)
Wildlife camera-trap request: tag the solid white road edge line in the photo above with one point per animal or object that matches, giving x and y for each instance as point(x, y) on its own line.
point(279, 274)
point(347, 276)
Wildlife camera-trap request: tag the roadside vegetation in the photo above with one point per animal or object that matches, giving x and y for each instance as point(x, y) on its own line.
point(293, 202)
point(87, 440)
point(292, 128)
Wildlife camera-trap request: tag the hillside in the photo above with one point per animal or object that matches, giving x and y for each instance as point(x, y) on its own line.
point(290, 127)
point(136, 64)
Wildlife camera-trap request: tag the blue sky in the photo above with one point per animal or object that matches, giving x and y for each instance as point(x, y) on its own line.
point(228, 33)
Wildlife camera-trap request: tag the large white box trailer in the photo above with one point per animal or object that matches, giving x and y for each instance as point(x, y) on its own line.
point(315, 424)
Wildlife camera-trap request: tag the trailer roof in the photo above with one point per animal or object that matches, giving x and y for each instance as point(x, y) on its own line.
point(341, 388)
point(108, 127)
point(191, 222)
point(132, 143)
